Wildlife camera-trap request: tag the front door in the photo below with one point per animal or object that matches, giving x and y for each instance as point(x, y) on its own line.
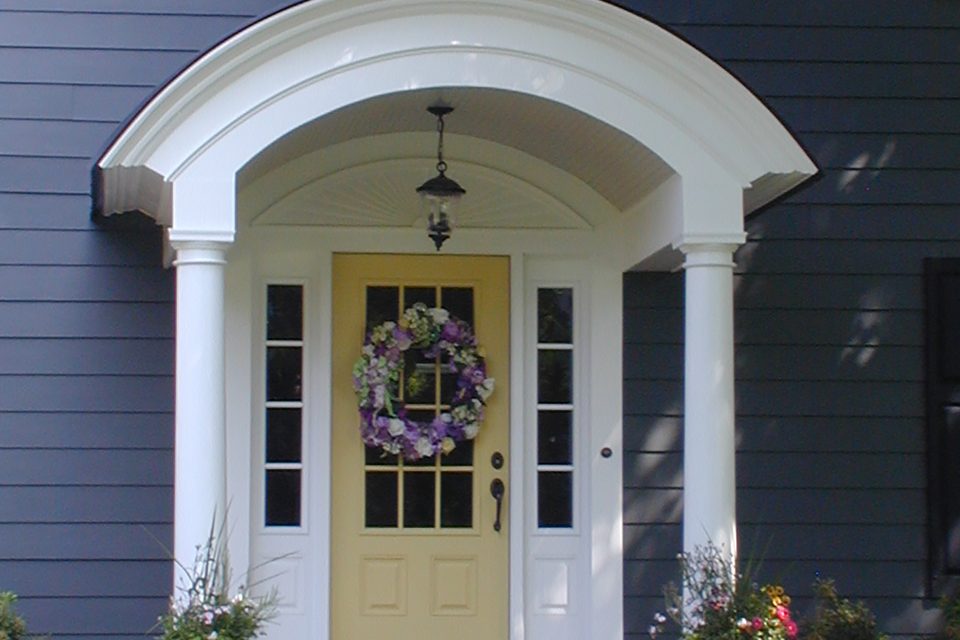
point(419, 549)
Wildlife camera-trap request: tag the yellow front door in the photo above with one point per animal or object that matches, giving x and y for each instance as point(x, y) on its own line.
point(415, 553)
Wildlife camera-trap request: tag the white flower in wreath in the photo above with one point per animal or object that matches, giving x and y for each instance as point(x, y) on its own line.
point(470, 431)
point(486, 388)
point(424, 448)
point(393, 448)
point(396, 427)
point(439, 315)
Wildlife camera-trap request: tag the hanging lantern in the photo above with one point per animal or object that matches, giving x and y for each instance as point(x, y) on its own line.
point(440, 195)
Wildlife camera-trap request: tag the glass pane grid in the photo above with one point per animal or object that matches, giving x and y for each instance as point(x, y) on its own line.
point(283, 407)
point(413, 482)
point(555, 407)
point(429, 494)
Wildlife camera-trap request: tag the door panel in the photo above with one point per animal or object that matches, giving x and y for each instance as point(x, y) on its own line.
point(414, 550)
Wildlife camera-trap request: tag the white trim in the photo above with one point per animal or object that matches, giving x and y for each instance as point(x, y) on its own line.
point(518, 447)
point(305, 465)
point(587, 557)
point(194, 136)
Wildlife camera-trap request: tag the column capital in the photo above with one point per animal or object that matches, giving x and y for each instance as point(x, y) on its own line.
point(198, 247)
point(187, 239)
point(690, 243)
point(713, 250)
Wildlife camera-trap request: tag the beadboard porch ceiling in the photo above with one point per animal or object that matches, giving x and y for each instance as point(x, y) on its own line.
point(526, 162)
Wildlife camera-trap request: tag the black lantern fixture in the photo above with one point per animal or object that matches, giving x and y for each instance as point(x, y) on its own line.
point(440, 195)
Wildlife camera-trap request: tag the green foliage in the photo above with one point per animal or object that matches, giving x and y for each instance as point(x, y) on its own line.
point(950, 605)
point(12, 626)
point(717, 604)
point(205, 610)
point(837, 618)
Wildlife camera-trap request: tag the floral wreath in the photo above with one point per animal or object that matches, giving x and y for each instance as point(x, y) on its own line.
point(384, 423)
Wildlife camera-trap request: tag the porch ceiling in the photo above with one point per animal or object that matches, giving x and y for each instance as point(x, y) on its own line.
point(526, 162)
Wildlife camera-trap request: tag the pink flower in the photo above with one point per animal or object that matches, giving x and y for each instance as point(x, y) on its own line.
point(791, 628)
point(757, 624)
point(783, 614)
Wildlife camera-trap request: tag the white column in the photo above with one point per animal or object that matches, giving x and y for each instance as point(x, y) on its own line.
point(709, 470)
point(200, 445)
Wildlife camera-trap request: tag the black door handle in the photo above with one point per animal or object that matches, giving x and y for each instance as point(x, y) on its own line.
point(497, 490)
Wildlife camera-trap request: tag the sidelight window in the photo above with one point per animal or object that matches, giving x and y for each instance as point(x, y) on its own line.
point(555, 407)
point(283, 407)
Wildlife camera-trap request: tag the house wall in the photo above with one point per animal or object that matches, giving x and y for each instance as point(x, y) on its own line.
point(829, 325)
point(829, 298)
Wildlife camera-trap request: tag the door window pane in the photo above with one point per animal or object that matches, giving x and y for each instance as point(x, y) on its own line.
point(425, 295)
point(456, 500)
point(283, 435)
point(419, 378)
point(459, 302)
point(284, 373)
point(418, 499)
point(383, 303)
point(381, 504)
point(554, 437)
point(284, 312)
point(555, 315)
point(462, 456)
point(554, 376)
point(555, 498)
point(283, 498)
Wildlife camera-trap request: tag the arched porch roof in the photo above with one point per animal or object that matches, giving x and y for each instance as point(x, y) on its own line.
point(624, 77)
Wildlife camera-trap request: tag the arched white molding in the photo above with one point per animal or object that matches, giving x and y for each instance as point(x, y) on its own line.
point(189, 142)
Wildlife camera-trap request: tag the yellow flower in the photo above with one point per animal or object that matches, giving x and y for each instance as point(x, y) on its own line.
point(448, 445)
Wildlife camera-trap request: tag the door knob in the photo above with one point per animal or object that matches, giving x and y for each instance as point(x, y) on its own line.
point(497, 489)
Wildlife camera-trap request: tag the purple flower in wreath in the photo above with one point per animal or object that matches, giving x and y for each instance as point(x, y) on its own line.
point(451, 331)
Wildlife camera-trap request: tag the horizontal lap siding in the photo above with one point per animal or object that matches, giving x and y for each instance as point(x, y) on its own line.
point(829, 308)
point(86, 315)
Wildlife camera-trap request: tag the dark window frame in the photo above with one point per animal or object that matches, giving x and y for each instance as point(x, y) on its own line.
point(942, 391)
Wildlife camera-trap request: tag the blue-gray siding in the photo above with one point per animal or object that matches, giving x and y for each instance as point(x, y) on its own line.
point(829, 314)
point(86, 315)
